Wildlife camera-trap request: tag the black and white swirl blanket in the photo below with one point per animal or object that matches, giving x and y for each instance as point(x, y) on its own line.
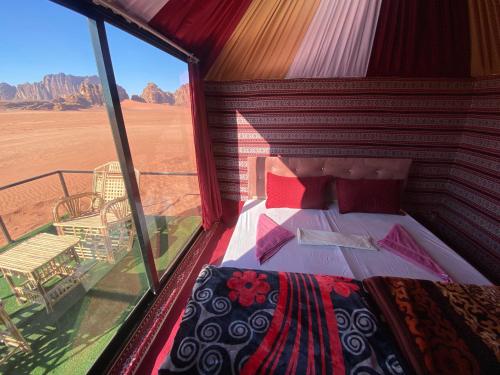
point(249, 322)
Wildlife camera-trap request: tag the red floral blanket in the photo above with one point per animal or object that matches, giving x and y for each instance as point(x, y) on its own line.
point(250, 322)
point(442, 328)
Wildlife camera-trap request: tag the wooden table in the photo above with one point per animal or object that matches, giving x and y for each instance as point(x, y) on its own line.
point(36, 261)
point(10, 336)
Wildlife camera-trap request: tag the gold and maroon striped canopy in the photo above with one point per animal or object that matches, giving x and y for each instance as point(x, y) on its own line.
point(276, 39)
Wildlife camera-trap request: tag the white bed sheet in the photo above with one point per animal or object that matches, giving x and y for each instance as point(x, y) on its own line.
point(333, 260)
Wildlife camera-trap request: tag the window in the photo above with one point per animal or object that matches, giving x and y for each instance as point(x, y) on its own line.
point(160, 133)
point(71, 262)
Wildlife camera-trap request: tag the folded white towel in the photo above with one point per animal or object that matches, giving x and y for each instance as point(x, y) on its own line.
point(321, 237)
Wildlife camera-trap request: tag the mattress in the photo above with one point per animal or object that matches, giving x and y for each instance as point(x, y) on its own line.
point(334, 260)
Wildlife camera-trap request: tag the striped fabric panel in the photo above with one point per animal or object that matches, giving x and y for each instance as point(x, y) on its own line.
point(391, 103)
point(484, 19)
point(262, 39)
point(472, 204)
point(260, 122)
point(450, 128)
point(265, 41)
point(339, 40)
point(202, 27)
point(368, 85)
point(472, 246)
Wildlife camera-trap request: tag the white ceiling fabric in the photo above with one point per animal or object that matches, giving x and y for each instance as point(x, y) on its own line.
point(339, 40)
point(144, 9)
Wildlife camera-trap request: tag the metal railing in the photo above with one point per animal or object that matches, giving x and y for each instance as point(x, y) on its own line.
point(62, 181)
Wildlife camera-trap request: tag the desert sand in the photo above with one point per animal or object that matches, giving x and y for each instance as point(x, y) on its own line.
point(37, 142)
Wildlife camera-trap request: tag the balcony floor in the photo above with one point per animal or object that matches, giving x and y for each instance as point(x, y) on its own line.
point(69, 339)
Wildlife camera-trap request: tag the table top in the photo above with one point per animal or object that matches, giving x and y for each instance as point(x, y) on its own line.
point(35, 252)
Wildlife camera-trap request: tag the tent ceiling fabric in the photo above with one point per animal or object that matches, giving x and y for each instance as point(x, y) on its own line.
point(423, 38)
point(485, 37)
point(144, 9)
point(265, 41)
point(203, 27)
point(275, 39)
point(339, 40)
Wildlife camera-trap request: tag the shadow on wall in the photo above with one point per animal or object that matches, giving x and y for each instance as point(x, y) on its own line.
point(427, 121)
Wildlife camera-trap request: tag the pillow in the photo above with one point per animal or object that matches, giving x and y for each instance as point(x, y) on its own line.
point(297, 192)
point(373, 196)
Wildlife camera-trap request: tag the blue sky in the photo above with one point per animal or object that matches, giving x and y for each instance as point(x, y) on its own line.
point(39, 37)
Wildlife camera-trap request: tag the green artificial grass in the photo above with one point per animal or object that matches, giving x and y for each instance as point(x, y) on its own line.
point(174, 234)
point(69, 339)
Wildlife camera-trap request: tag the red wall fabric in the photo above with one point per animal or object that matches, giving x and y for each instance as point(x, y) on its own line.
point(452, 135)
point(211, 205)
point(202, 27)
point(421, 38)
point(472, 202)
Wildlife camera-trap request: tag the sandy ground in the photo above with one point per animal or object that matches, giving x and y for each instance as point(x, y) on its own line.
point(37, 142)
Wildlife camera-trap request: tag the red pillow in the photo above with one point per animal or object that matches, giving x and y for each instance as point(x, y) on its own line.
point(374, 196)
point(297, 192)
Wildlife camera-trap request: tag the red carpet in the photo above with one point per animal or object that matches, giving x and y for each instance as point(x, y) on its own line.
point(212, 254)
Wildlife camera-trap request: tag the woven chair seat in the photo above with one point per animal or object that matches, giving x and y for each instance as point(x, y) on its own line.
point(93, 221)
point(101, 238)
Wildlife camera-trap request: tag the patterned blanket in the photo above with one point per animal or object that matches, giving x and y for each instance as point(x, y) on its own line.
point(442, 328)
point(249, 322)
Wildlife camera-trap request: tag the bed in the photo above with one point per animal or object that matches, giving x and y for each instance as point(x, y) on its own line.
point(335, 310)
point(241, 321)
point(328, 260)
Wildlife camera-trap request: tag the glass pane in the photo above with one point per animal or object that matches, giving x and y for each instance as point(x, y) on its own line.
point(158, 122)
point(72, 276)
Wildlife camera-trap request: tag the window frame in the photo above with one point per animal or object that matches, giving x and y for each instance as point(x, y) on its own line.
point(98, 16)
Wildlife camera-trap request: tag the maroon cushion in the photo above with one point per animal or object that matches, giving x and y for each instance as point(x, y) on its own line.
point(297, 192)
point(374, 196)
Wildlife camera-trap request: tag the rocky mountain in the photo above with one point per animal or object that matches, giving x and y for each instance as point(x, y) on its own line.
point(34, 106)
point(182, 96)
point(53, 86)
point(91, 92)
point(122, 93)
point(153, 94)
point(75, 91)
point(137, 98)
point(7, 92)
point(71, 103)
point(68, 92)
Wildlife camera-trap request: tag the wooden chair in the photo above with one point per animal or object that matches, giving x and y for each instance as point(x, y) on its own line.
point(101, 218)
point(10, 336)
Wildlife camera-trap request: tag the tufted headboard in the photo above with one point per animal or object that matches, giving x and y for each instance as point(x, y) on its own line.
point(354, 168)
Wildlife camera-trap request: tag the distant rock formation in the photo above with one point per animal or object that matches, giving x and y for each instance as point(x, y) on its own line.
point(122, 93)
point(153, 94)
point(91, 92)
point(52, 86)
point(137, 98)
point(34, 106)
point(71, 103)
point(31, 92)
point(65, 91)
point(182, 96)
point(7, 92)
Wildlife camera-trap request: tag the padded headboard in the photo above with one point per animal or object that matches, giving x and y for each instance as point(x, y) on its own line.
point(353, 168)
